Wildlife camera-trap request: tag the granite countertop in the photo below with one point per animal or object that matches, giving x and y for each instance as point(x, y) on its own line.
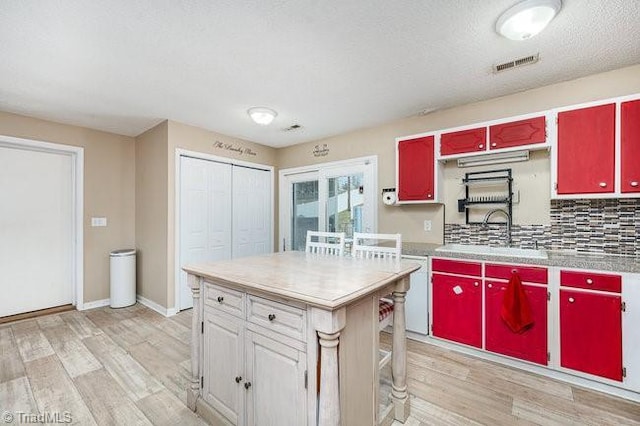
point(568, 259)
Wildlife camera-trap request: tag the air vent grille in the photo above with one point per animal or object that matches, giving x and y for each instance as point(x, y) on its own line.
point(292, 128)
point(527, 60)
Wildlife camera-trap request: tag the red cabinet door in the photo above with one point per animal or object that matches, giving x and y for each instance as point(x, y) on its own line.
point(416, 179)
point(457, 309)
point(471, 140)
point(517, 133)
point(630, 146)
point(531, 345)
point(591, 333)
point(586, 150)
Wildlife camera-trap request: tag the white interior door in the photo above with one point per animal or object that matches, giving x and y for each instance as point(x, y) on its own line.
point(36, 230)
point(251, 212)
point(205, 216)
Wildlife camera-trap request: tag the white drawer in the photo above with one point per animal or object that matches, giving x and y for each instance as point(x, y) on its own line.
point(278, 317)
point(224, 299)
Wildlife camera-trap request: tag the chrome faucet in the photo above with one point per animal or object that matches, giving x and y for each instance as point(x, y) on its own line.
point(485, 221)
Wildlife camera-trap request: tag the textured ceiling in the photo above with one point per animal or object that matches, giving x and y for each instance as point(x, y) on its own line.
point(330, 66)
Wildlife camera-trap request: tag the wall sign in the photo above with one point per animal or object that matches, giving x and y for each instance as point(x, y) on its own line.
point(234, 148)
point(321, 150)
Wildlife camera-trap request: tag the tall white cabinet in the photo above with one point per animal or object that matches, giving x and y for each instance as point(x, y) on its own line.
point(224, 213)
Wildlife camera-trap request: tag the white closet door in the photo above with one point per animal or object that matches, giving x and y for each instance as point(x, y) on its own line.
point(205, 216)
point(251, 212)
point(36, 230)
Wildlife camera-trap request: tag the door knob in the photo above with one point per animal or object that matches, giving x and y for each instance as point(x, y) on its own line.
point(220, 299)
point(247, 385)
point(238, 379)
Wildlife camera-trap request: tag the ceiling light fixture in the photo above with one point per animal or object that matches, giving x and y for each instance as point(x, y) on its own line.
point(262, 115)
point(527, 18)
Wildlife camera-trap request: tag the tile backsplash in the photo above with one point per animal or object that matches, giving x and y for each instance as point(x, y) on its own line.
point(597, 226)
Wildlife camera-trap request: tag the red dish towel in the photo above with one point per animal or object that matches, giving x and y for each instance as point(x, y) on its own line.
point(516, 311)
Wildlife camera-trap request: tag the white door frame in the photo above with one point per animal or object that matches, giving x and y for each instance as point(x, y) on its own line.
point(77, 181)
point(180, 152)
point(323, 169)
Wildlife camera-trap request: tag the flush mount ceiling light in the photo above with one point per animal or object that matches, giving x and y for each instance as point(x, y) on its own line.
point(527, 18)
point(262, 115)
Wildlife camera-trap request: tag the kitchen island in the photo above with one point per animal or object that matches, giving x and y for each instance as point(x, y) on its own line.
point(292, 339)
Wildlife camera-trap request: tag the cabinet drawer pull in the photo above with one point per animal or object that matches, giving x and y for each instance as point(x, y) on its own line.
point(238, 379)
point(481, 146)
point(272, 317)
point(220, 299)
point(634, 183)
point(589, 281)
point(247, 385)
point(603, 184)
point(571, 300)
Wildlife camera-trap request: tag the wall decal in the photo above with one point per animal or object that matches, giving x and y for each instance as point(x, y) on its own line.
point(321, 150)
point(234, 148)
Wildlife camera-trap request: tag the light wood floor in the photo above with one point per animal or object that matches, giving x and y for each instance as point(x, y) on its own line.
point(130, 366)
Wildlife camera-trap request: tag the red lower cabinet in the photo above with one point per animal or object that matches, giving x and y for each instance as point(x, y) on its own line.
point(591, 333)
point(457, 309)
point(531, 345)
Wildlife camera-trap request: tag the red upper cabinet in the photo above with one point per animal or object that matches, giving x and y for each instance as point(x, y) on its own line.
point(464, 141)
point(518, 133)
point(416, 177)
point(591, 333)
point(630, 146)
point(586, 150)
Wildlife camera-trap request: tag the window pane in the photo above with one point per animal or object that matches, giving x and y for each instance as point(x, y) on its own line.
point(344, 204)
point(305, 212)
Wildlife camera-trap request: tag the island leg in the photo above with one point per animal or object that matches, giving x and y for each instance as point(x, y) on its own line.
point(328, 325)
point(194, 388)
point(399, 394)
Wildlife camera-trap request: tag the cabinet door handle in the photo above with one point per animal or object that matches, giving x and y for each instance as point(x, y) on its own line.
point(238, 379)
point(603, 184)
point(634, 183)
point(490, 285)
point(476, 284)
point(272, 317)
point(247, 385)
point(494, 144)
point(589, 281)
point(571, 300)
point(481, 146)
point(220, 299)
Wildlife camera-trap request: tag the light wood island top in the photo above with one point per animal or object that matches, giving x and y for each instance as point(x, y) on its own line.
point(327, 282)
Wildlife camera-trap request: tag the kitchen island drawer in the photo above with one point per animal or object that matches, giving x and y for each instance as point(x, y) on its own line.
point(224, 299)
point(591, 281)
point(278, 317)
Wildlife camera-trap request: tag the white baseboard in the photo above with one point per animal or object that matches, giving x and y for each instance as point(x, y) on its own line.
point(94, 304)
point(156, 307)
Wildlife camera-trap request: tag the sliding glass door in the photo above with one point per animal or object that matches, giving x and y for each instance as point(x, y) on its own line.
point(335, 198)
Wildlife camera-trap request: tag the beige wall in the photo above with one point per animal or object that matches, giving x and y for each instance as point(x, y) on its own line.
point(151, 183)
point(532, 179)
point(109, 173)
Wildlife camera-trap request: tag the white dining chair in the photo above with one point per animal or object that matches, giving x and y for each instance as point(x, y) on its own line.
point(379, 246)
point(330, 243)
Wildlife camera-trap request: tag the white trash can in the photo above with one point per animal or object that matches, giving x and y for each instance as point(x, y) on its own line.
point(123, 278)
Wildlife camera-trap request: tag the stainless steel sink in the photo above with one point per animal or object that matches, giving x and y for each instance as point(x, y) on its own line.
point(495, 251)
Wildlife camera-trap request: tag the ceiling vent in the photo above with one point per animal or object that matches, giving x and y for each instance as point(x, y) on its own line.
point(516, 63)
point(292, 128)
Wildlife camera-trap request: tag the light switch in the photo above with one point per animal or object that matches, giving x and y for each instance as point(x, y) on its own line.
point(98, 221)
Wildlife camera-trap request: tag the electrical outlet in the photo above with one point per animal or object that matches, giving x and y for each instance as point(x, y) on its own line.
point(427, 225)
